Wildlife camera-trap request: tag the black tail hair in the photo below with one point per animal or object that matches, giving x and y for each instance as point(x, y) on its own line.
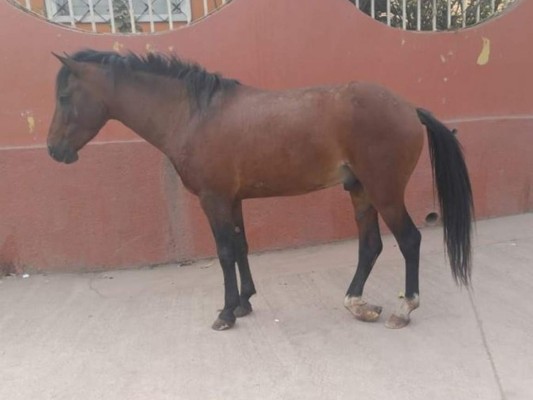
point(454, 192)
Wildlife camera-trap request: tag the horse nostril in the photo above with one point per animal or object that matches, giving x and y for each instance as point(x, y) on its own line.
point(54, 153)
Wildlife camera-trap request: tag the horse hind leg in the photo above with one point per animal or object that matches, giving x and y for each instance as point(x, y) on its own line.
point(370, 247)
point(409, 239)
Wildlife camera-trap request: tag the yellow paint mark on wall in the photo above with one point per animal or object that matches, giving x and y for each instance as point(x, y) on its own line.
point(31, 123)
point(484, 56)
point(117, 46)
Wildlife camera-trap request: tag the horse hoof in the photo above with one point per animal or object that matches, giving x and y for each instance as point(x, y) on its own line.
point(368, 313)
point(221, 325)
point(400, 318)
point(361, 310)
point(242, 311)
point(397, 322)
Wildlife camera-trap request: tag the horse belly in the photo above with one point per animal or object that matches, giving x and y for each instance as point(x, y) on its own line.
point(290, 179)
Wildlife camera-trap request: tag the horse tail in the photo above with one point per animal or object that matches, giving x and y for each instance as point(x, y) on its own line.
point(454, 192)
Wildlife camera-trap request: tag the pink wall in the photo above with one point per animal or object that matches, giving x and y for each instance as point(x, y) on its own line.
point(122, 205)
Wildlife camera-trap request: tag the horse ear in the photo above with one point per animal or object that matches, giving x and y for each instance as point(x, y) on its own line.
point(72, 65)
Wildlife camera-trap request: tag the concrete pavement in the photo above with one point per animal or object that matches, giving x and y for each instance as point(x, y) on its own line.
point(145, 334)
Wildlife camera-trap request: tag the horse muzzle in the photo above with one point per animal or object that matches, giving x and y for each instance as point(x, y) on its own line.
point(63, 154)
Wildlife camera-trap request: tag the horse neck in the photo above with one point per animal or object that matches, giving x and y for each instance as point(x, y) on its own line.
point(152, 106)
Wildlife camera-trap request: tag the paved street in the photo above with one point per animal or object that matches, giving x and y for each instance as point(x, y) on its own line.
point(145, 334)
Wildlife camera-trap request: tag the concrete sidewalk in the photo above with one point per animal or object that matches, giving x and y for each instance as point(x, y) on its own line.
point(146, 334)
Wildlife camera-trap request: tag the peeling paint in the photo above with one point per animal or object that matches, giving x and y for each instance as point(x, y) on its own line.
point(30, 120)
point(170, 48)
point(443, 58)
point(149, 48)
point(117, 46)
point(31, 123)
point(484, 56)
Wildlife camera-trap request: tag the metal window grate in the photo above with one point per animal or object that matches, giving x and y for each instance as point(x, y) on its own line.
point(142, 16)
point(431, 15)
point(124, 16)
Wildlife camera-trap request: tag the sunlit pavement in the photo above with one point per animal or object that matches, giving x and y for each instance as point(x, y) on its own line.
point(145, 334)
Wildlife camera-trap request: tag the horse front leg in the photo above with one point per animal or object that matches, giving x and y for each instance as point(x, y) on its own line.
point(241, 250)
point(219, 214)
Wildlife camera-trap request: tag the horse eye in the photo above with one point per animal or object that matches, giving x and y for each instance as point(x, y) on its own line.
point(64, 99)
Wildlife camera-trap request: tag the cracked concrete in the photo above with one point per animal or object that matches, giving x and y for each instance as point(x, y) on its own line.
point(487, 348)
point(144, 334)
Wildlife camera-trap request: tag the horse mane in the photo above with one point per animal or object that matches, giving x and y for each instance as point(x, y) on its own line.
point(201, 85)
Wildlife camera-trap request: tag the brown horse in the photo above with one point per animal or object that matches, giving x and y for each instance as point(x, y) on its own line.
point(230, 142)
